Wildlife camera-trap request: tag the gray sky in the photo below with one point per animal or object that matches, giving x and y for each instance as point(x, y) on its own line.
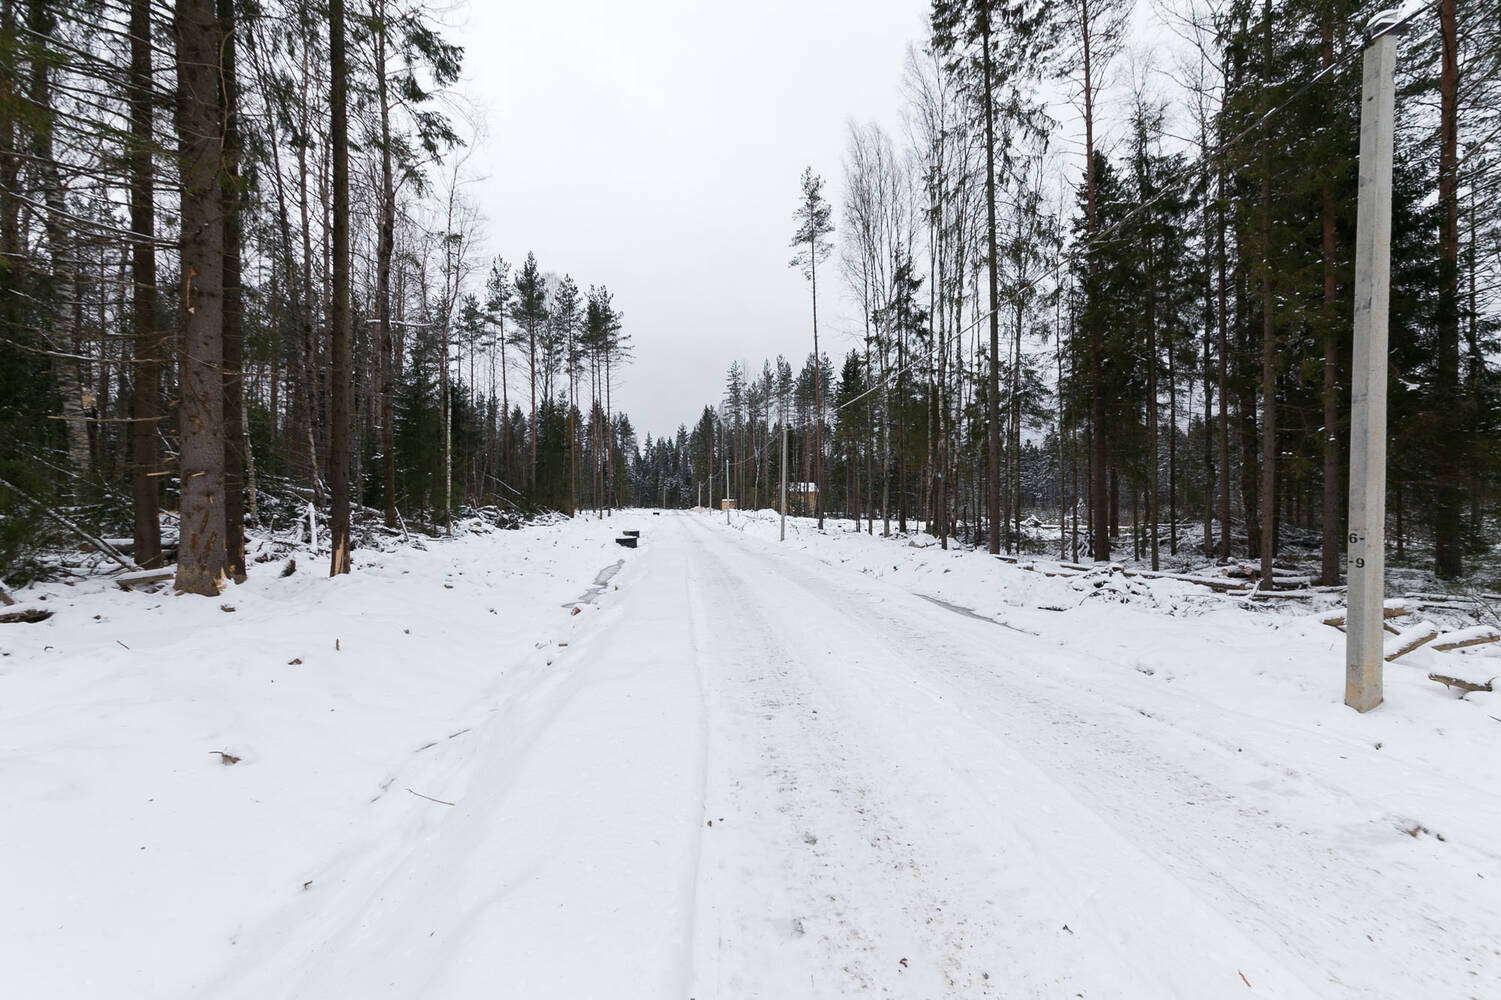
point(655, 147)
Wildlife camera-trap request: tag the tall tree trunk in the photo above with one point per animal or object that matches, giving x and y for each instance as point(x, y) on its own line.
point(1172, 440)
point(385, 249)
point(1150, 510)
point(310, 394)
point(1015, 447)
point(63, 336)
point(146, 339)
point(817, 390)
point(1268, 324)
point(572, 457)
point(1448, 547)
point(1329, 552)
point(1222, 367)
point(1099, 503)
point(1210, 473)
point(234, 354)
point(339, 347)
point(200, 554)
point(532, 428)
point(505, 403)
point(609, 430)
point(993, 402)
point(1475, 378)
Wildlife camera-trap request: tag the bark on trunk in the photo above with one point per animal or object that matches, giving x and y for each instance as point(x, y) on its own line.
point(339, 347)
point(234, 380)
point(146, 340)
point(1268, 326)
point(63, 264)
point(992, 403)
point(1448, 549)
point(1329, 553)
point(201, 554)
point(385, 249)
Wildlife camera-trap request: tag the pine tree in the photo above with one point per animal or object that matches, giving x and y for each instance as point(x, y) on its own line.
point(530, 313)
point(813, 226)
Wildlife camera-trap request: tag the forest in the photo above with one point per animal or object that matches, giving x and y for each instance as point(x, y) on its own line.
point(1108, 288)
point(1103, 286)
point(241, 285)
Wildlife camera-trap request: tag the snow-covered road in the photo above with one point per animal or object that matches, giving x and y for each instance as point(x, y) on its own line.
point(757, 770)
point(897, 812)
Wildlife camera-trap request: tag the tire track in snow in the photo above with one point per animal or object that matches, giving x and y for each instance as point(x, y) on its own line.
point(865, 904)
point(1159, 777)
point(1052, 859)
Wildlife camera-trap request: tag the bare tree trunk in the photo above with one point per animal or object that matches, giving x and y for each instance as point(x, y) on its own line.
point(385, 249)
point(234, 378)
point(201, 555)
point(572, 457)
point(147, 341)
point(339, 363)
point(609, 430)
point(505, 404)
point(532, 428)
point(1172, 441)
point(310, 379)
point(1329, 561)
point(1210, 472)
point(1097, 458)
point(64, 280)
point(1268, 325)
point(817, 392)
point(1222, 369)
point(1150, 510)
point(993, 386)
point(1448, 546)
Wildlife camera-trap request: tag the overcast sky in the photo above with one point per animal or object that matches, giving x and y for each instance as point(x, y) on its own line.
point(655, 147)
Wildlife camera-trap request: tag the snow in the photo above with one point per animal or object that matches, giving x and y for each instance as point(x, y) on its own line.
point(721, 767)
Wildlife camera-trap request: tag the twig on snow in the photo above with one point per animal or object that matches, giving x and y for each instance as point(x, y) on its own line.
point(429, 798)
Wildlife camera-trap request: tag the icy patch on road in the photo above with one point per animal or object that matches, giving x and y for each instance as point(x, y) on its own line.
point(601, 581)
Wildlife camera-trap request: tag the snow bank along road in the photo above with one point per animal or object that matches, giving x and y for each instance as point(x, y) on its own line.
point(741, 770)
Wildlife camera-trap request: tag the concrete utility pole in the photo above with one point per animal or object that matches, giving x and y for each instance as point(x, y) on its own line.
point(1364, 637)
point(784, 481)
point(727, 491)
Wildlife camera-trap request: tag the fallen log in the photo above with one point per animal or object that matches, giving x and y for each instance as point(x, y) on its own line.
point(1459, 639)
point(1410, 639)
point(1222, 585)
point(143, 577)
point(1394, 608)
point(1463, 685)
point(6, 599)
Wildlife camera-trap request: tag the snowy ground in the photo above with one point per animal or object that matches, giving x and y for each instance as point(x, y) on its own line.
point(837, 766)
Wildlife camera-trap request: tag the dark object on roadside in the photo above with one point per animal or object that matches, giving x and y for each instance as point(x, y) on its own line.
point(632, 533)
point(629, 543)
point(656, 513)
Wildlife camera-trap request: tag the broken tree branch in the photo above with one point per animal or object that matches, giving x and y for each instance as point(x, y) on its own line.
point(98, 543)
